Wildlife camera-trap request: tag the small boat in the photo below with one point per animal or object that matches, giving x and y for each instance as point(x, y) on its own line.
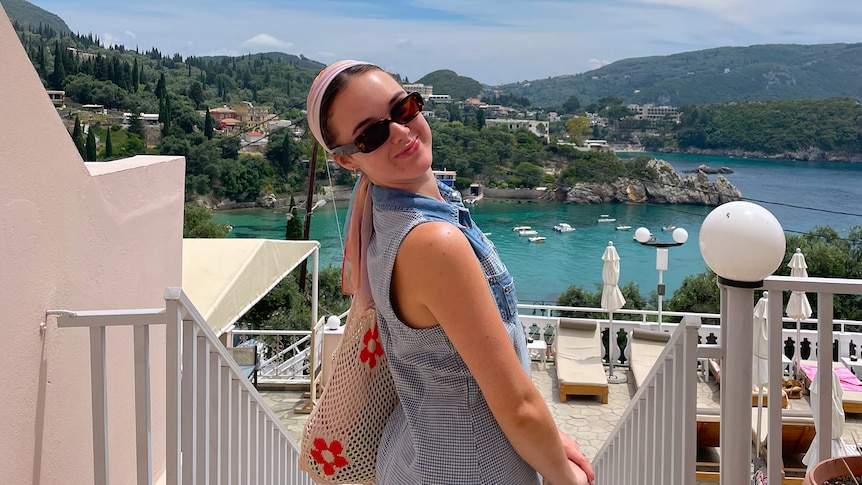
point(623, 228)
point(669, 227)
point(537, 239)
point(521, 228)
point(527, 232)
point(563, 227)
point(486, 233)
point(606, 218)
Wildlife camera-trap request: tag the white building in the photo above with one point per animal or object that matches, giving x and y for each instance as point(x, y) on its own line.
point(538, 128)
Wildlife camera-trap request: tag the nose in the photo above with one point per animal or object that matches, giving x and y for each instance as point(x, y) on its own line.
point(398, 132)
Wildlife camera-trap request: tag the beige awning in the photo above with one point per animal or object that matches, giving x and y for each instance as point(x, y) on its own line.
point(224, 278)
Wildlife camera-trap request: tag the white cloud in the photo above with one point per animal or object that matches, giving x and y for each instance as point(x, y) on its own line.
point(597, 63)
point(267, 41)
point(129, 33)
point(110, 39)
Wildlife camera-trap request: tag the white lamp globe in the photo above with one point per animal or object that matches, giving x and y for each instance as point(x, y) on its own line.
point(680, 235)
point(333, 322)
point(642, 234)
point(742, 242)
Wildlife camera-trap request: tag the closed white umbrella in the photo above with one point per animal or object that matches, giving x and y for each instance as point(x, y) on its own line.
point(798, 307)
point(760, 355)
point(612, 300)
point(838, 446)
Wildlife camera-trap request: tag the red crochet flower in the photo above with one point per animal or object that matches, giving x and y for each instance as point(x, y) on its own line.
point(372, 348)
point(328, 456)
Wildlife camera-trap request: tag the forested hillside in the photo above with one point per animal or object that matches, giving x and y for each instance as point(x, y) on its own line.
point(29, 15)
point(759, 72)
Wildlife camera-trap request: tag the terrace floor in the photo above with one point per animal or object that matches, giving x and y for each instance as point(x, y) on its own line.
point(586, 419)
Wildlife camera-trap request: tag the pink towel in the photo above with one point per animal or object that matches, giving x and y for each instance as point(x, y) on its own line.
point(848, 380)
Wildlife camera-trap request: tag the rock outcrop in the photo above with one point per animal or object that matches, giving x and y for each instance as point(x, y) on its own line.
point(668, 188)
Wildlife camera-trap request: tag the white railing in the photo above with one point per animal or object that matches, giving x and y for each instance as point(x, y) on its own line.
point(218, 428)
point(284, 354)
point(653, 442)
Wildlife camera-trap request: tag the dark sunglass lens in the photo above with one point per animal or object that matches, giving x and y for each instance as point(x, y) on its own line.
point(373, 136)
point(407, 109)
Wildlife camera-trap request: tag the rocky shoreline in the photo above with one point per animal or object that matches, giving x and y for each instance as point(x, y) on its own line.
point(807, 155)
point(669, 188)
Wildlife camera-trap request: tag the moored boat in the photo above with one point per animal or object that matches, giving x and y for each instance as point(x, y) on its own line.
point(623, 228)
point(606, 218)
point(527, 232)
point(669, 227)
point(537, 239)
point(563, 227)
point(521, 228)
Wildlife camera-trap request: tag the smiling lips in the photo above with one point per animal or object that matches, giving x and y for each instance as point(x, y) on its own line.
point(411, 148)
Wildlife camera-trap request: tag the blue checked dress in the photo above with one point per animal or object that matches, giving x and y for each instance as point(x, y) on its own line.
point(441, 431)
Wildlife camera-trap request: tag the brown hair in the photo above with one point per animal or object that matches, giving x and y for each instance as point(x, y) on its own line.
point(335, 88)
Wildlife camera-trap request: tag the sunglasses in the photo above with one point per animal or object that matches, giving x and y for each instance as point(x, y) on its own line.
point(377, 133)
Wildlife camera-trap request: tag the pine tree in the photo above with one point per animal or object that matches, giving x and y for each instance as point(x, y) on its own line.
point(78, 137)
point(91, 146)
point(208, 125)
point(109, 148)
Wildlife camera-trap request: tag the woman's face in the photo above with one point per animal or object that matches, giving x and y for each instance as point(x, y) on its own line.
point(404, 158)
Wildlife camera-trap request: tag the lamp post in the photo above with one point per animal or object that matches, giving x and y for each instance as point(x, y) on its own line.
point(643, 236)
point(742, 243)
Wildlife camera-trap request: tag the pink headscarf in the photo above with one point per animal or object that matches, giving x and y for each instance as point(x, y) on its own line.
point(354, 268)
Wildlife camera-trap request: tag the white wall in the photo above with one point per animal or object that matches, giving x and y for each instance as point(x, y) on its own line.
point(107, 236)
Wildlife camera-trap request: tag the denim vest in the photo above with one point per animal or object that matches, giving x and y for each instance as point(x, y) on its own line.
point(442, 430)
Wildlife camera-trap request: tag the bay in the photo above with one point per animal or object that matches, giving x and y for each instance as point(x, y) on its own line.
point(800, 195)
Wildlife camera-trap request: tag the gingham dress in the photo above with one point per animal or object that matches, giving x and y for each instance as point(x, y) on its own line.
point(442, 431)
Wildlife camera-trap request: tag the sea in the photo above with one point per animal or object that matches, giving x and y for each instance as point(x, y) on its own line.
point(799, 194)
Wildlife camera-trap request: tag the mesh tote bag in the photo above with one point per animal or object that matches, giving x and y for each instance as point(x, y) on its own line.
point(340, 439)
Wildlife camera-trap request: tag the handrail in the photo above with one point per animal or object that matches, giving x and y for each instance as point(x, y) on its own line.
point(218, 428)
point(652, 441)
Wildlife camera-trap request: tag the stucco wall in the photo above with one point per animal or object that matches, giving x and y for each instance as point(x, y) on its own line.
point(79, 241)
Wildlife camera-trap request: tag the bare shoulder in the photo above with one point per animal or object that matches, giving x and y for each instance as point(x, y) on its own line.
point(434, 241)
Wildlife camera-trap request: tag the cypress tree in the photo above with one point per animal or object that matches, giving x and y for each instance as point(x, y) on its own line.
point(135, 77)
point(78, 137)
point(208, 125)
point(293, 227)
point(161, 88)
point(59, 72)
point(109, 148)
point(91, 146)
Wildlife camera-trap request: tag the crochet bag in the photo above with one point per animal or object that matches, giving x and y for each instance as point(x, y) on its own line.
point(341, 436)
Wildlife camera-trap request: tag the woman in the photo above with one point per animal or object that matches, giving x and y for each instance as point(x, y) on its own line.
point(468, 411)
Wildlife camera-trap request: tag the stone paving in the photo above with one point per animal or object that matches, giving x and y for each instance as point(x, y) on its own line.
point(584, 418)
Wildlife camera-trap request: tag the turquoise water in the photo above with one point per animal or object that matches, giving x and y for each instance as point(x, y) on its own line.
point(544, 270)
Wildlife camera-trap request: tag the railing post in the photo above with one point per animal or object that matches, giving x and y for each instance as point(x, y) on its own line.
point(825, 302)
point(144, 449)
point(735, 464)
point(99, 392)
point(173, 381)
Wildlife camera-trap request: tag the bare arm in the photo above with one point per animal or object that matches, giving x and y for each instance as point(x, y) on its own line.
point(426, 293)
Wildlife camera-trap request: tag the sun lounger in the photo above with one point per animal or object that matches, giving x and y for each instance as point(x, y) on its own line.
point(715, 370)
point(646, 346)
point(578, 359)
point(852, 400)
point(797, 431)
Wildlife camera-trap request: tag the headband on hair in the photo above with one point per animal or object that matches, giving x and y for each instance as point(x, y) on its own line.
point(318, 89)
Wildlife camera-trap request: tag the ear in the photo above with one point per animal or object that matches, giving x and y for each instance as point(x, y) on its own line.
point(346, 162)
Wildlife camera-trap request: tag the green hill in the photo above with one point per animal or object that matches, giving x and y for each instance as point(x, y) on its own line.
point(449, 82)
point(754, 73)
point(28, 14)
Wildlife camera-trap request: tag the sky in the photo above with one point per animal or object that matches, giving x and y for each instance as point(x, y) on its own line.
point(492, 41)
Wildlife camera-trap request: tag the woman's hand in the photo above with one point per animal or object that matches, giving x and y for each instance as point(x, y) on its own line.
point(576, 456)
point(578, 472)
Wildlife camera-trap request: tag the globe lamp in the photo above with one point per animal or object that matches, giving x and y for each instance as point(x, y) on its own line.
point(742, 243)
point(333, 322)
